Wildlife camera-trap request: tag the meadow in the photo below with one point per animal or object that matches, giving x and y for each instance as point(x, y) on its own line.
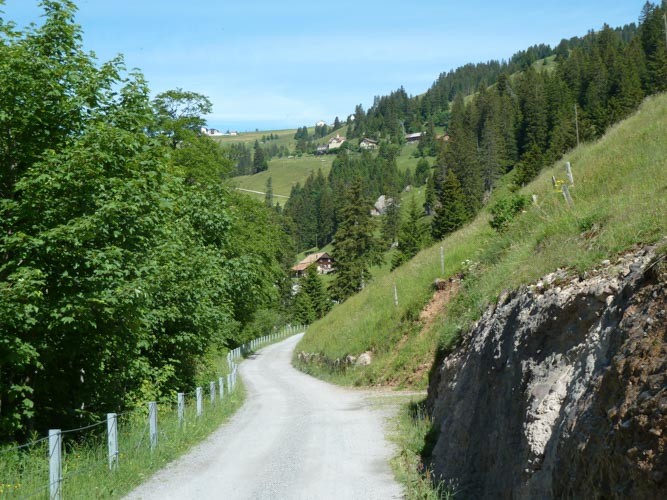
point(620, 200)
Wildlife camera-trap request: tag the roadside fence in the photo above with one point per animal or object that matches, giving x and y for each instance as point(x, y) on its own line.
point(70, 463)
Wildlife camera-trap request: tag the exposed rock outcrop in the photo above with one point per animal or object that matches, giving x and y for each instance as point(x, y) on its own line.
point(560, 390)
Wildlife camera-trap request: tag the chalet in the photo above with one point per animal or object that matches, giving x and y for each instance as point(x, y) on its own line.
point(368, 144)
point(323, 261)
point(410, 138)
point(336, 142)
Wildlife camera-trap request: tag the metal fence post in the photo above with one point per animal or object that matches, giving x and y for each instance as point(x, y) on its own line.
point(181, 408)
point(152, 423)
point(200, 408)
point(221, 386)
point(55, 464)
point(112, 440)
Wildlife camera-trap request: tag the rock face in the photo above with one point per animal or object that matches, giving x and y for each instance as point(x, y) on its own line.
point(560, 390)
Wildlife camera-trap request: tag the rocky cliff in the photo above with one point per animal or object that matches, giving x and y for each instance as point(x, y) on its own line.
point(560, 389)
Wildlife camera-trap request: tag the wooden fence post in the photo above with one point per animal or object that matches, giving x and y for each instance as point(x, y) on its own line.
point(112, 440)
point(181, 409)
point(200, 406)
point(55, 464)
point(152, 424)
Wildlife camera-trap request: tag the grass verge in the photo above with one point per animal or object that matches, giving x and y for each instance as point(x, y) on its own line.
point(413, 436)
point(24, 473)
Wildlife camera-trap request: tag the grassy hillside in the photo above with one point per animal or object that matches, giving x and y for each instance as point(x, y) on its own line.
point(284, 173)
point(620, 199)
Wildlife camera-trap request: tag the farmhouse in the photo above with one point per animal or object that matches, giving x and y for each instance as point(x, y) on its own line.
point(409, 138)
point(367, 143)
point(336, 142)
point(322, 260)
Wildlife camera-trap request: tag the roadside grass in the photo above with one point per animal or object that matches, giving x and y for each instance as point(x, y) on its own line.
point(25, 473)
point(412, 434)
point(620, 200)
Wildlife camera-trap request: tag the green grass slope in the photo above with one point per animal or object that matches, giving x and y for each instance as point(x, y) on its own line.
point(284, 173)
point(620, 199)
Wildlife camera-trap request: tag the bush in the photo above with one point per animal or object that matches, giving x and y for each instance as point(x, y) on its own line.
point(504, 211)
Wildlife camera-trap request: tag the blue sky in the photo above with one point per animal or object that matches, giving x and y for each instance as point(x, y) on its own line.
point(270, 64)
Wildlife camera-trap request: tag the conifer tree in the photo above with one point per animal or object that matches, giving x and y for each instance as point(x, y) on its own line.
point(312, 285)
point(355, 246)
point(412, 236)
point(451, 214)
point(268, 193)
point(259, 161)
point(302, 309)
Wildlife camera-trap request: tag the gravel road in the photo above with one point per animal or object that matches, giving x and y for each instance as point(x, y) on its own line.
point(295, 437)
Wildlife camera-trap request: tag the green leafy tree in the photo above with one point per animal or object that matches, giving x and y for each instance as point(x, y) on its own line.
point(180, 114)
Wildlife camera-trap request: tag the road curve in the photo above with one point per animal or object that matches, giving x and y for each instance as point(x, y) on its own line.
point(295, 437)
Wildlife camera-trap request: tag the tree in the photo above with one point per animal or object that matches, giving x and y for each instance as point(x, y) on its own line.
point(392, 220)
point(302, 309)
point(268, 193)
point(422, 172)
point(412, 237)
point(311, 285)
point(451, 214)
point(259, 161)
point(355, 246)
point(180, 114)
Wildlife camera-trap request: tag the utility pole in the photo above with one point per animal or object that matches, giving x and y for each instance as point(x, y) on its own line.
point(664, 18)
point(576, 122)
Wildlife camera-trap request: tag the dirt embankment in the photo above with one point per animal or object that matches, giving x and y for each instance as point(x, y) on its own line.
point(560, 390)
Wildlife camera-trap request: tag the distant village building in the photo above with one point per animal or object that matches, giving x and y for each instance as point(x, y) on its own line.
point(336, 142)
point(321, 123)
point(368, 144)
point(213, 132)
point(323, 261)
point(410, 138)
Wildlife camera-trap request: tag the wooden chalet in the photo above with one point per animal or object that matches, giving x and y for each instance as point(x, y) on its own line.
point(323, 261)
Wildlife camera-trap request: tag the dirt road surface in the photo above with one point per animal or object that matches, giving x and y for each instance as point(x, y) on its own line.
point(296, 437)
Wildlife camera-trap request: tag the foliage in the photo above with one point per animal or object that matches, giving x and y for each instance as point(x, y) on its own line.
point(123, 259)
point(611, 193)
point(450, 214)
point(505, 209)
point(355, 246)
point(313, 287)
point(179, 114)
point(412, 237)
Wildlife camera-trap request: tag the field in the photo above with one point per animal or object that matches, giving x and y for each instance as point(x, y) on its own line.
point(620, 200)
point(284, 173)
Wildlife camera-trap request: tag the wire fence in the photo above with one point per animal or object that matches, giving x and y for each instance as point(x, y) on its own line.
point(76, 462)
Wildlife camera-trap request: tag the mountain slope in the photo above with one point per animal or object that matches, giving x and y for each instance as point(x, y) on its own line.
point(620, 199)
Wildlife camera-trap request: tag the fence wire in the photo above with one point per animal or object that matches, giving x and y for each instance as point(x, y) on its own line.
point(24, 468)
